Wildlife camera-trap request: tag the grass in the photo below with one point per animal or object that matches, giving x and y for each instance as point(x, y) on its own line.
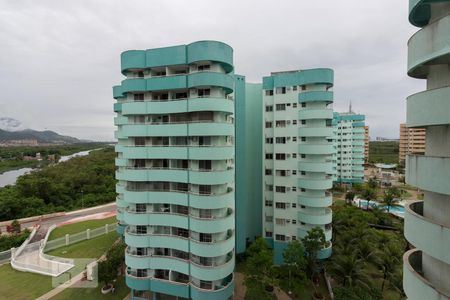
point(383, 152)
point(92, 294)
point(79, 227)
point(93, 248)
point(22, 285)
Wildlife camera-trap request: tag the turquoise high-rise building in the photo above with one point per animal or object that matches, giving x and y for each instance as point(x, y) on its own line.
point(349, 142)
point(426, 268)
point(298, 149)
point(175, 170)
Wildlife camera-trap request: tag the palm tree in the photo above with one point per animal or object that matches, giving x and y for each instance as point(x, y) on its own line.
point(389, 200)
point(369, 194)
point(367, 251)
point(351, 269)
point(389, 260)
point(349, 196)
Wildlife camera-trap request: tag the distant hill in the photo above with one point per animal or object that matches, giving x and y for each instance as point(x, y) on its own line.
point(42, 137)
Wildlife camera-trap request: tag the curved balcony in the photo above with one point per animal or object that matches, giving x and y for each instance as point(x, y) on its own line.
point(316, 184)
point(156, 240)
point(211, 51)
point(324, 167)
point(427, 235)
point(117, 107)
point(310, 114)
point(156, 218)
point(150, 197)
point(315, 201)
point(419, 12)
point(316, 149)
point(213, 201)
point(157, 285)
point(214, 224)
point(316, 218)
point(315, 131)
point(217, 248)
point(218, 294)
point(428, 108)
point(178, 106)
point(222, 80)
point(416, 286)
point(433, 175)
point(121, 120)
point(120, 162)
point(429, 46)
point(214, 272)
point(316, 96)
point(325, 252)
point(177, 152)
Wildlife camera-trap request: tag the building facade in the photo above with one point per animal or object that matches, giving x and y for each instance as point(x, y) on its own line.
point(350, 143)
point(366, 144)
point(175, 170)
point(248, 122)
point(298, 149)
point(412, 141)
point(426, 268)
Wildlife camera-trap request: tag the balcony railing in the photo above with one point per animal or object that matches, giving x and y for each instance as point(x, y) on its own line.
point(230, 98)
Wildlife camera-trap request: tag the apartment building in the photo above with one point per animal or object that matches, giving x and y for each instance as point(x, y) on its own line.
point(366, 144)
point(298, 149)
point(349, 143)
point(412, 141)
point(426, 268)
point(175, 170)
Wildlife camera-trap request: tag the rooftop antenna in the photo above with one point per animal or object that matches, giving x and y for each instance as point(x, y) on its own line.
point(350, 107)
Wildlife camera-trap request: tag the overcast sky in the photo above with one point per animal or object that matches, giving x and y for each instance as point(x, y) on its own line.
point(60, 59)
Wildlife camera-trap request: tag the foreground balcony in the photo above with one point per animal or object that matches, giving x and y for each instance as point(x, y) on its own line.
point(416, 286)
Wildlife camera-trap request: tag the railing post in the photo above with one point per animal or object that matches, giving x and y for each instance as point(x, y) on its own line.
point(106, 228)
point(67, 239)
point(88, 234)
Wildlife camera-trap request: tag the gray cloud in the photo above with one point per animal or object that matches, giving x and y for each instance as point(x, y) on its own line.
point(59, 59)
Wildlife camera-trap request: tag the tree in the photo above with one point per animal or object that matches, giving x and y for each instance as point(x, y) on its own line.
point(106, 272)
point(372, 183)
point(314, 241)
point(259, 270)
point(349, 196)
point(15, 226)
point(350, 269)
point(389, 200)
point(369, 194)
point(389, 261)
point(294, 258)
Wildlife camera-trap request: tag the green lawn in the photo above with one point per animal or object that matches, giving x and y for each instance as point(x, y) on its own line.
point(92, 294)
point(22, 285)
point(93, 248)
point(80, 226)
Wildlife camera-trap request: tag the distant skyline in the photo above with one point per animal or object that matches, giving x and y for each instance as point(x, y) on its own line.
point(60, 59)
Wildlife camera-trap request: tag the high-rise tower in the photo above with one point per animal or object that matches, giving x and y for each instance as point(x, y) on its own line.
point(426, 269)
point(175, 160)
point(298, 149)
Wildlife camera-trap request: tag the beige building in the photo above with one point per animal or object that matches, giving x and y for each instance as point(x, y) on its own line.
point(412, 141)
point(366, 144)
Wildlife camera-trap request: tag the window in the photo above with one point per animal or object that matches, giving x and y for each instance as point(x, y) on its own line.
point(294, 122)
point(206, 285)
point(140, 229)
point(181, 95)
point(141, 207)
point(269, 140)
point(303, 87)
point(160, 73)
point(268, 203)
point(280, 124)
point(281, 222)
point(140, 74)
point(268, 171)
point(302, 173)
point(303, 139)
point(280, 156)
point(280, 140)
point(138, 97)
point(303, 155)
point(302, 206)
point(206, 237)
point(294, 172)
point(294, 205)
point(281, 173)
point(294, 88)
point(203, 92)
point(204, 67)
point(281, 106)
point(280, 205)
point(204, 165)
point(269, 187)
point(280, 189)
point(269, 234)
point(294, 105)
point(294, 222)
point(294, 188)
point(269, 108)
point(269, 219)
point(280, 237)
point(294, 139)
point(303, 104)
point(268, 124)
point(269, 155)
point(281, 90)
point(302, 190)
point(204, 189)
point(294, 155)
point(269, 92)
point(303, 122)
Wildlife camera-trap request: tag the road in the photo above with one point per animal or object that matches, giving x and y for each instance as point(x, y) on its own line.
point(46, 223)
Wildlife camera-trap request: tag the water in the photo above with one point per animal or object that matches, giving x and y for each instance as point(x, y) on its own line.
point(396, 210)
point(10, 177)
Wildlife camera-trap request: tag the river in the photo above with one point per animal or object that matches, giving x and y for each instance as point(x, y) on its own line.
point(10, 177)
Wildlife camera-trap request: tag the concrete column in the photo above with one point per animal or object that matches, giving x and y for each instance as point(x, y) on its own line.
point(88, 234)
point(106, 228)
point(67, 240)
